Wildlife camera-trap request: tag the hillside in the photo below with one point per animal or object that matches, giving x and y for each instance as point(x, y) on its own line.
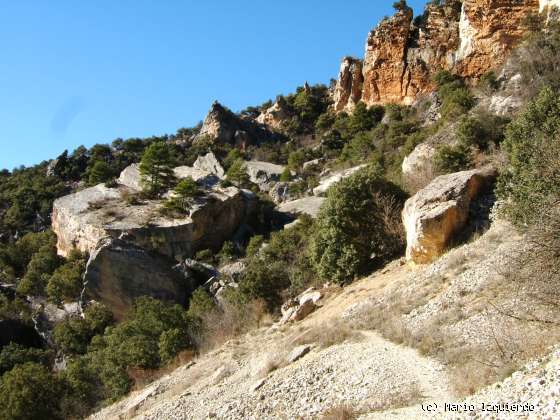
point(378, 248)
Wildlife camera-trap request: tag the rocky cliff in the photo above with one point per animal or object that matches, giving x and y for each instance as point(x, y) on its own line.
point(402, 54)
point(133, 245)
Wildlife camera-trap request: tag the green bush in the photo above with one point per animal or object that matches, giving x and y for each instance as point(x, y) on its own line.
point(282, 267)
point(237, 174)
point(449, 159)
point(200, 303)
point(43, 263)
point(29, 391)
point(66, 283)
point(531, 182)
point(73, 335)
point(14, 354)
point(358, 226)
point(481, 130)
point(254, 245)
point(364, 118)
point(489, 82)
point(228, 253)
point(185, 193)
point(171, 342)
point(100, 173)
point(455, 96)
point(82, 389)
point(358, 149)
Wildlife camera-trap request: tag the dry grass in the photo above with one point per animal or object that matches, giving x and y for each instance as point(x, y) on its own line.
point(272, 362)
point(326, 335)
point(143, 377)
point(341, 412)
point(230, 321)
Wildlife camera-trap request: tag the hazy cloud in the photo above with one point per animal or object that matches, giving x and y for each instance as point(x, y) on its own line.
point(65, 114)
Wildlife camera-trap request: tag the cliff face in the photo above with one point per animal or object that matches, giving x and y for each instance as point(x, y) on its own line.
point(489, 29)
point(466, 37)
point(348, 90)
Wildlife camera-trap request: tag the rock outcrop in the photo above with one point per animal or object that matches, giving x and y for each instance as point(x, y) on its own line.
point(82, 219)
point(348, 89)
point(434, 215)
point(488, 30)
point(275, 116)
point(305, 205)
point(118, 272)
point(133, 248)
point(264, 174)
point(402, 55)
point(417, 167)
point(329, 180)
point(224, 127)
point(209, 163)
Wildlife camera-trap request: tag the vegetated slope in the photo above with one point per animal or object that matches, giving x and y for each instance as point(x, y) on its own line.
point(399, 337)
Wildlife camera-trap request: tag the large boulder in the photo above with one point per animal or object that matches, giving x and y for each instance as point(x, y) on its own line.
point(329, 180)
point(305, 205)
point(264, 174)
point(81, 220)
point(418, 168)
point(209, 163)
point(437, 213)
point(119, 272)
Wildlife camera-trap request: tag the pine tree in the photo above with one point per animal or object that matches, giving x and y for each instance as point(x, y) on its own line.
point(100, 172)
point(156, 169)
point(237, 173)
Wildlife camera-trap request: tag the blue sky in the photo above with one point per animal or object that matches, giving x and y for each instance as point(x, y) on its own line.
point(86, 72)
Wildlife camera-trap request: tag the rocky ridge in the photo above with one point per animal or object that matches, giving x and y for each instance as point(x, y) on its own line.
point(402, 55)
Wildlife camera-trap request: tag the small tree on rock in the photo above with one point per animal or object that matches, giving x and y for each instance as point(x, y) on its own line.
point(156, 169)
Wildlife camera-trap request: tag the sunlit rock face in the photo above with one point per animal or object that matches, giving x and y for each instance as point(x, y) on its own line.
point(348, 89)
point(403, 54)
point(435, 214)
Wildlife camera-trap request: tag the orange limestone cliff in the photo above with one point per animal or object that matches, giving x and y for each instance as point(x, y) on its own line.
point(402, 54)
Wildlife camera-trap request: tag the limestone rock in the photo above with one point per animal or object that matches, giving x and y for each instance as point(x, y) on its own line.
point(298, 352)
point(312, 163)
point(233, 270)
point(305, 205)
point(280, 192)
point(209, 163)
point(219, 125)
point(434, 215)
point(118, 272)
point(300, 307)
point(328, 181)
point(81, 220)
point(417, 167)
point(466, 37)
point(349, 85)
point(384, 63)
point(275, 116)
point(130, 177)
point(488, 30)
point(264, 174)
point(310, 294)
point(224, 127)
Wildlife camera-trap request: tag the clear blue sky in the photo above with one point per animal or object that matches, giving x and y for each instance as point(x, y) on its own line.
point(86, 72)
